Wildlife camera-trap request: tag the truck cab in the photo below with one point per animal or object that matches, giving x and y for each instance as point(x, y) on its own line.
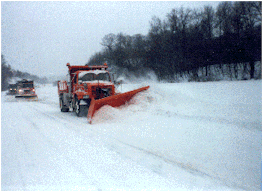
point(92, 84)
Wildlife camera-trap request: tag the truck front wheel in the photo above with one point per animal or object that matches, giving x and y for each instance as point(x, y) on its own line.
point(77, 107)
point(63, 108)
point(80, 110)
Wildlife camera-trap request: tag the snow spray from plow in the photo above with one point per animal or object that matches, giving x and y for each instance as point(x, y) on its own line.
point(114, 101)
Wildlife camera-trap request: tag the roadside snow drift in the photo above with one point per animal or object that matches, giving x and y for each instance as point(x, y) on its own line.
point(174, 136)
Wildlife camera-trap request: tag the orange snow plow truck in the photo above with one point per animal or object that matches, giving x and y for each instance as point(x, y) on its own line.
point(26, 89)
point(88, 89)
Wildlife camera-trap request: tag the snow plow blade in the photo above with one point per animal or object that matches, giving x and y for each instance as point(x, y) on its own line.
point(27, 97)
point(114, 101)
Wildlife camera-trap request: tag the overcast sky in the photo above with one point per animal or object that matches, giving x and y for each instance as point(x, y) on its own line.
point(40, 37)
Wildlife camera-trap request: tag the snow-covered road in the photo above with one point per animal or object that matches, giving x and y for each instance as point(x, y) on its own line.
point(187, 136)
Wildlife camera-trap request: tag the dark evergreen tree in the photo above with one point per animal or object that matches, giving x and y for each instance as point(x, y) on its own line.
point(6, 73)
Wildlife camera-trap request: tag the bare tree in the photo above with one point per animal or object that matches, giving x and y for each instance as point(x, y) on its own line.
point(223, 13)
point(208, 22)
point(109, 41)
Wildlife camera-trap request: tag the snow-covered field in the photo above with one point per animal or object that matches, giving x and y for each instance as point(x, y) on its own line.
point(181, 136)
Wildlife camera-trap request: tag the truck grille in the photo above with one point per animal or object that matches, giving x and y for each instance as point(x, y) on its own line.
point(100, 92)
point(26, 91)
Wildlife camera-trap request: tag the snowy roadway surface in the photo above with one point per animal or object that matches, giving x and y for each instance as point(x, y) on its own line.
point(181, 136)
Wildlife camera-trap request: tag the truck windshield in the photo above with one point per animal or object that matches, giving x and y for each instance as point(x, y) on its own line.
point(12, 86)
point(93, 77)
point(28, 85)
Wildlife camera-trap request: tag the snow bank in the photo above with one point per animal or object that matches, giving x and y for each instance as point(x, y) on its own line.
point(211, 128)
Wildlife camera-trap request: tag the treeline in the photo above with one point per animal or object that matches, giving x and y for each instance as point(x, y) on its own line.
point(8, 73)
point(190, 40)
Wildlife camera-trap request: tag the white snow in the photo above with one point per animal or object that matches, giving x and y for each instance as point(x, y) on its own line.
point(174, 136)
point(96, 72)
point(96, 82)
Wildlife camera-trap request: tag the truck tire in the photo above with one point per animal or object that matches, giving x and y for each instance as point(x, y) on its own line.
point(77, 107)
point(63, 108)
point(80, 110)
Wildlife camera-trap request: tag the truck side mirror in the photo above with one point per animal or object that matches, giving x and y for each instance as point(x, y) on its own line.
point(113, 77)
